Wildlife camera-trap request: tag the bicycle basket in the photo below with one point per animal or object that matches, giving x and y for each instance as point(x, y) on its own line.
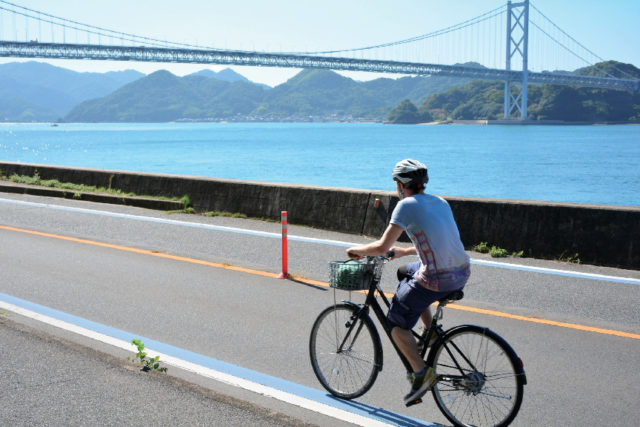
point(353, 275)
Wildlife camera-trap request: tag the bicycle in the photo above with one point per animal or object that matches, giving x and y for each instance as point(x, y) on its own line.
point(480, 377)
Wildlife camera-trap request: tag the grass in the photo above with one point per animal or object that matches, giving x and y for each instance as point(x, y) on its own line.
point(54, 183)
point(495, 251)
point(182, 211)
point(225, 214)
point(571, 258)
point(238, 215)
point(82, 188)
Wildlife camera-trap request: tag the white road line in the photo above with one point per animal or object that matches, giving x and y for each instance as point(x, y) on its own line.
point(293, 399)
point(542, 270)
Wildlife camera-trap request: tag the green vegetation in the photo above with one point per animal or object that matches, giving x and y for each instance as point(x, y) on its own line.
point(185, 210)
point(310, 95)
point(225, 214)
point(54, 183)
point(482, 247)
point(494, 251)
point(146, 363)
point(568, 257)
point(481, 100)
point(81, 188)
point(239, 215)
point(406, 112)
point(186, 201)
point(497, 252)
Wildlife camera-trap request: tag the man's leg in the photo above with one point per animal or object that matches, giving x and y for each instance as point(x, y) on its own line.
point(422, 378)
point(426, 318)
point(407, 344)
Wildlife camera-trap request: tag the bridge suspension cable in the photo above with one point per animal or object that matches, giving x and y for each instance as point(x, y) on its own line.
point(577, 43)
point(92, 29)
point(473, 21)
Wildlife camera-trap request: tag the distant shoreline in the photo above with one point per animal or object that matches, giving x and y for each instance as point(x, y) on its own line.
point(443, 122)
point(525, 123)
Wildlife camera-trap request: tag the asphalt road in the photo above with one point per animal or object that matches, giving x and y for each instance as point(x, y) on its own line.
point(50, 381)
point(575, 376)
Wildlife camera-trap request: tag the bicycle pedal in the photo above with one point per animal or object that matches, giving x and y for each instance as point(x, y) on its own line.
point(414, 402)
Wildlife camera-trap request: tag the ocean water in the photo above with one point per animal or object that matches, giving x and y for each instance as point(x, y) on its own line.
point(581, 164)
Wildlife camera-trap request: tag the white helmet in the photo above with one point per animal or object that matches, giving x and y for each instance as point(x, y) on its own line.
point(411, 173)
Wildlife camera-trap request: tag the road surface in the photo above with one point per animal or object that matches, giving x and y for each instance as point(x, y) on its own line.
point(202, 289)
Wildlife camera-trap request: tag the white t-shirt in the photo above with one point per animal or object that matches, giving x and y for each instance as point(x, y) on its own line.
point(429, 222)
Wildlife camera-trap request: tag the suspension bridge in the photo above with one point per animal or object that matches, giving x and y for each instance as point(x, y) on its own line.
point(36, 34)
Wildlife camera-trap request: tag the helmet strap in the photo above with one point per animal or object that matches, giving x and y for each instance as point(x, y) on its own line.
point(400, 189)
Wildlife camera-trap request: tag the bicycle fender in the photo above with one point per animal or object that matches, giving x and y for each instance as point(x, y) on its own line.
point(351, 303)
point(519, 366)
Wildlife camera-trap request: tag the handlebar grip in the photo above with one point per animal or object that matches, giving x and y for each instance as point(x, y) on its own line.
point(391, 254)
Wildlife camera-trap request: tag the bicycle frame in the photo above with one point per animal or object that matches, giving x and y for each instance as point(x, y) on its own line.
point(371, 301)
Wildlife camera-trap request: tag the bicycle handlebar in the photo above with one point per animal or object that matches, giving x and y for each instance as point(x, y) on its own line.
point(386, 257)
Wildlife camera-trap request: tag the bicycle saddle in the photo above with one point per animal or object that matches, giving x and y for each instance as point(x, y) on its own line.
point(453, 296)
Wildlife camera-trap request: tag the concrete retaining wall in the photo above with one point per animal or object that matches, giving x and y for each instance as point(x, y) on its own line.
point(598, 234)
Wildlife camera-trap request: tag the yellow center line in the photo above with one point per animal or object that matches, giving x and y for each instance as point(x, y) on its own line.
point(455, 306)
point(143, 252)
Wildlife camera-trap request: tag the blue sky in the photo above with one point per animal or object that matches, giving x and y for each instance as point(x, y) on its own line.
point(609, 29)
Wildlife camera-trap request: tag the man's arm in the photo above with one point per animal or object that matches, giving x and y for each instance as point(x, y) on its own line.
point(380, 246)
point(399, 251)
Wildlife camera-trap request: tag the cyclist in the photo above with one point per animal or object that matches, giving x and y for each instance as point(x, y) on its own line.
point(442, 269)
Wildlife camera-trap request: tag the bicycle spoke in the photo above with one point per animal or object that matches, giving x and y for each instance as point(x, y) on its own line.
point(350, 370)
point(478, 384)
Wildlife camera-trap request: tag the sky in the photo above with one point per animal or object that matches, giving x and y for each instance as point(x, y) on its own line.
point(609, 29)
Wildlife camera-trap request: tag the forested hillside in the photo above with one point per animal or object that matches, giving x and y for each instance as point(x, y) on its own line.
point(480, 100)
point(311, 95)
point(33, 91)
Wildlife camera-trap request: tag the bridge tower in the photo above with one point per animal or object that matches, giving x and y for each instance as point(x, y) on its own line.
point(517, 42)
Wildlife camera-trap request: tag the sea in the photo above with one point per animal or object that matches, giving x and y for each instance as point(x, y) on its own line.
point(575, 164)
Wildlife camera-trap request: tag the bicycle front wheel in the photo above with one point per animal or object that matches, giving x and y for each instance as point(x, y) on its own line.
point(481, 377)
point(345, 350)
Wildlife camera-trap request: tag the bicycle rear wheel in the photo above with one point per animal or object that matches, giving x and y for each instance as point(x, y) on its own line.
point(481, 377)
point(346, 357)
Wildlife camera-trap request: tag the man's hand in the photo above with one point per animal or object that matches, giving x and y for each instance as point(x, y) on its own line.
point(353, 253)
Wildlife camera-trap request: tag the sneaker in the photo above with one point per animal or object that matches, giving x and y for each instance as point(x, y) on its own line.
point(421, 383)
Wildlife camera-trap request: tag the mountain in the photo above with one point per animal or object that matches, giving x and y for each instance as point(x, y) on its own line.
point(162, 97)
point(309, 95)
point(227, 75)
point(407, 113)
point(480, 100)
point(35, 91)
point(20, 109)
point(42, 92)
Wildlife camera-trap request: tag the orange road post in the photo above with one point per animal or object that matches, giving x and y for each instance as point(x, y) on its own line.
point(285, 254)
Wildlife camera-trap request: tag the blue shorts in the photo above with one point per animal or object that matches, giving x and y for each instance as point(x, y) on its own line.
point(411, 299)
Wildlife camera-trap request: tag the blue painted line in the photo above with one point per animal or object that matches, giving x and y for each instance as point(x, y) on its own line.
point(507, 266)
point(221, 366)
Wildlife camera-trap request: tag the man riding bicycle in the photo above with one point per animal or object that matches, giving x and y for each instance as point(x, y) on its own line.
point(442, 269)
